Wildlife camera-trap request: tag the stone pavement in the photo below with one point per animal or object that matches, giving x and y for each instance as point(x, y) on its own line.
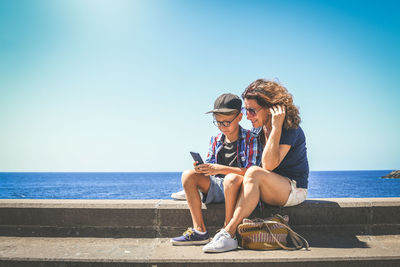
point(72, 251)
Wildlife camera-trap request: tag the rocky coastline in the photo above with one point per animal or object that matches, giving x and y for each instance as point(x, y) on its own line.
point(393, 174)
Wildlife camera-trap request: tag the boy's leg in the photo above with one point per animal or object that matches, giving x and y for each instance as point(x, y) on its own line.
point(232, 185)
point(192, 182)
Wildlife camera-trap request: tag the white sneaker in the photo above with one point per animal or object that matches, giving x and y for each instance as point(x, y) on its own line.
point(221, 242)
point(179, 195)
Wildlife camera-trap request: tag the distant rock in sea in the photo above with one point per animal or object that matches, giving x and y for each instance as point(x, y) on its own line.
point(393, 174)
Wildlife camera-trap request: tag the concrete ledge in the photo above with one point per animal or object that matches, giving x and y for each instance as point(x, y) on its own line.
point(166, 218)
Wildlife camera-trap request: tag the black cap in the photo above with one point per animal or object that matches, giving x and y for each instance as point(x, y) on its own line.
point(227, 103)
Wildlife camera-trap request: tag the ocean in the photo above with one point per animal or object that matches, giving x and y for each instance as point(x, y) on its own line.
point(160, 185)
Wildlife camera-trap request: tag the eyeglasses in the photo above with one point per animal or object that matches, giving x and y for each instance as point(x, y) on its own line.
point(224, 123)
point(251, 111)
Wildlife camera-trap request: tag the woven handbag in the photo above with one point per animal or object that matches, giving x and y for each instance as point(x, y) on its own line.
point(268, 234)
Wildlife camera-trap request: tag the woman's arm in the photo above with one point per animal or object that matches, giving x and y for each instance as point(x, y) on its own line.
point(274, 153)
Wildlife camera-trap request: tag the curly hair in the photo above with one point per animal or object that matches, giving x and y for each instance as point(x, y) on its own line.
point(269, 93)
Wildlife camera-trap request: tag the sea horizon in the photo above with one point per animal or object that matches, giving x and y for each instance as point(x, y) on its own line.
point(160, 185)
point(349, 170)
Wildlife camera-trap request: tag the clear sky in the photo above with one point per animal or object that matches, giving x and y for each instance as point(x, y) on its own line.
point(124, 85)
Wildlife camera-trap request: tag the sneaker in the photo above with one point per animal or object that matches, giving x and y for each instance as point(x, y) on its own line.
point(221, 242)
point(179, 195)
point(191, 237)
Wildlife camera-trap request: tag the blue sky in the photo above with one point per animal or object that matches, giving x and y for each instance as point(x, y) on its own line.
point(124, 85)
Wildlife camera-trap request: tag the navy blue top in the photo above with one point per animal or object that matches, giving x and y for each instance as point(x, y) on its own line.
point(295, 164)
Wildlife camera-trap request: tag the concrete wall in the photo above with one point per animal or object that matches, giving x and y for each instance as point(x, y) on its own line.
point(166, 218)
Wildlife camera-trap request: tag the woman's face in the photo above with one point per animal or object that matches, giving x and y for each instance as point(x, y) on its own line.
point(257, 114)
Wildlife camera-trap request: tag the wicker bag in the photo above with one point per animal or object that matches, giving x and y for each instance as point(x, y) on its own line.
point(270, 233)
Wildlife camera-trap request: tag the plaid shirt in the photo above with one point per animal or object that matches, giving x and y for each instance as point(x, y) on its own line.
point(249, 150)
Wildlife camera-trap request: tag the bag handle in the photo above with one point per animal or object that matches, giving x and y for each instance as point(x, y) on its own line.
point(295, 237)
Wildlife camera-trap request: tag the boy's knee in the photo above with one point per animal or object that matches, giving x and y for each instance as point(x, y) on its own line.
point(187, 176)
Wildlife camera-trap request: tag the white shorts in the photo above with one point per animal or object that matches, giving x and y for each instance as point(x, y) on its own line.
point(297, 195)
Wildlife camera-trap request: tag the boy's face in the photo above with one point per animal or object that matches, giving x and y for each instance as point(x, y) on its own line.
point(232, 122)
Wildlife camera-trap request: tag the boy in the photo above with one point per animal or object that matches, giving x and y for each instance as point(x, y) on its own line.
point(231, 152)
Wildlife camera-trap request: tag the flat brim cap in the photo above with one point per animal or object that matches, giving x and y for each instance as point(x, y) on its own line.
point(227, 103)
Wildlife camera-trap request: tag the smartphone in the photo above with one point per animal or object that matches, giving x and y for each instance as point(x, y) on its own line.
point(196, 157)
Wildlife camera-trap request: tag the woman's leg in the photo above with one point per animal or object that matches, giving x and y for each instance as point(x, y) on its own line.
point(272, 188)
point(192, 182)
point(232, 185)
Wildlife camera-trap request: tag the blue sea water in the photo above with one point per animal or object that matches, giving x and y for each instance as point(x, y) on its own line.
point(160, 185)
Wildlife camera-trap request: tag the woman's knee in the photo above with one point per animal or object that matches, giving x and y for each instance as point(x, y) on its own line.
point(255, 174)
point(232, 180)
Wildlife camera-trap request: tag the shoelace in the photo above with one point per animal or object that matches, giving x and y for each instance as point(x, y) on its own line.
point(222, 234)
point(228, 235)
point(188, 232)
point(217, 235)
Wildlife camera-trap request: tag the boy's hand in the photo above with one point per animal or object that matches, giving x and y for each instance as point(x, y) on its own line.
point(196, 167)
point(209, 169)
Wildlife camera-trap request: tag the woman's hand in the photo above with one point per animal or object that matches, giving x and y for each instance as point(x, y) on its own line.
point(278, 113)
point(209, 169)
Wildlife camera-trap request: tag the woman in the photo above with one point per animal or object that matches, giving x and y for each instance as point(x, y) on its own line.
point(283, 178)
